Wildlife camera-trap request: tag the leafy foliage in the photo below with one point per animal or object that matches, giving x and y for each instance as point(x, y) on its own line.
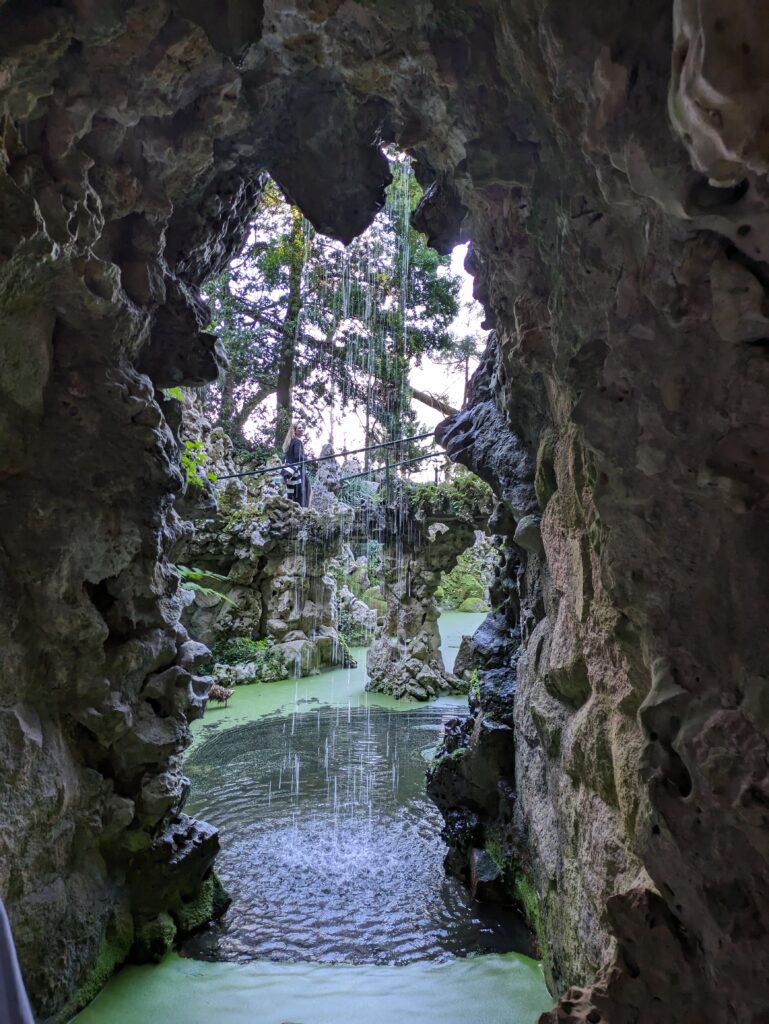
point(336, 325)
point(194, 461)
point(465, 496)
point(191, 581)
point(269, 663)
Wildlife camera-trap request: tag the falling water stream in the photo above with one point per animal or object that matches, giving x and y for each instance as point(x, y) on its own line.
point(332, 854)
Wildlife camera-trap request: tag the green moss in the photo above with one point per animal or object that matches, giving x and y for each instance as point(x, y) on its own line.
point(520, 886)
point(114, 949)
point(374, 599)
point(475, 685)
point(496, 851)
point(211, 901)
point(473, 604)
point(441, 756)
point(526, 896)
point(236, 512)
point(269, 663)
point(194, 462)
point(345, 645)
point(470, 578)
point(155, 939)
point(465, 497)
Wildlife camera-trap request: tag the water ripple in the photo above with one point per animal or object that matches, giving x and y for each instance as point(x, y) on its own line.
point(330, 847)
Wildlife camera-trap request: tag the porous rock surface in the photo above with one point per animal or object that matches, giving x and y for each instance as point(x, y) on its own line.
point(608, 161)
point(406, 660)
point(274, 559)
point(421, 541)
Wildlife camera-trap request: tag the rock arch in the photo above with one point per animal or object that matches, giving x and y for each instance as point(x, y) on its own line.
point(421, 541)
point(623, 267)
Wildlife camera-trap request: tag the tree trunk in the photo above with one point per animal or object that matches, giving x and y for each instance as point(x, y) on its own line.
point(238, 420)
point(227, 405)
point(290, 333)
point(434, 402)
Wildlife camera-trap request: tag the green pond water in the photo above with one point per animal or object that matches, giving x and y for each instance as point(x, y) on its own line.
point(331, 851)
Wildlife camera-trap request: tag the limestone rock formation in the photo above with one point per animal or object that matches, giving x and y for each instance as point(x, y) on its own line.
point(428, 528)
point(276, 586)
point(609, 162)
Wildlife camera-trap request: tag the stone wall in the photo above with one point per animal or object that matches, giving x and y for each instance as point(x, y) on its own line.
point(279, 586)
point(406, 660)
point(425, 530)
point(608, 161)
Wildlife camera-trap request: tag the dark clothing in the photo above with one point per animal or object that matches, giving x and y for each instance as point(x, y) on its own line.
point(299, 491)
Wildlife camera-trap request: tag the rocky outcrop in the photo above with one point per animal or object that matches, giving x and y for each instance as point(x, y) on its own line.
point(427, 529)
point(609, 163)
point(99, 683)
point(271, 577)
point(274, 555)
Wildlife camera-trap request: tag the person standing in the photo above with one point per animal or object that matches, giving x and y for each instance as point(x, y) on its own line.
point(295, 471)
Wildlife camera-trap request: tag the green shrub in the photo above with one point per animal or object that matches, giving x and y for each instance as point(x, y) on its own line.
point(466, 496)
point(194, 461)
point(270, 664)
point(469, 579)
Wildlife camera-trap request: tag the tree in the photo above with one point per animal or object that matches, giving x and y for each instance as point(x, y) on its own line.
point(463, 351)
point(305, 320)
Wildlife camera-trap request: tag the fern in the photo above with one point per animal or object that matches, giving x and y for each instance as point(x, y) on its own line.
point(191, 581)
point(194, 460)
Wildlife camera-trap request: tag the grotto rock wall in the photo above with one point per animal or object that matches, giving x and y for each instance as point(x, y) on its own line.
point(278, 586)
point(511, 781)
point(405, 660)
point(608, 161)
point(626, 365)
point(425, 528)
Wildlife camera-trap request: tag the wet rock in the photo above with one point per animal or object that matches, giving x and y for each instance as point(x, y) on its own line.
point(486, 882)
point(497, 687)
point(274, 556)
point(155, 939)
point(528, 535)
point(622, 395)
point(418, 547)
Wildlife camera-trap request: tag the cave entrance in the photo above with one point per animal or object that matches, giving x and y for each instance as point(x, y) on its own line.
point(313, 760)
point(358, 344)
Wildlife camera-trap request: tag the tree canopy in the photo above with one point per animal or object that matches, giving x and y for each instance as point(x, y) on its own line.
point(311, 323)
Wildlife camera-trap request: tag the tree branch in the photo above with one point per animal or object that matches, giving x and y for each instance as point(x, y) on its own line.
point(240, 417)
point(433, 401)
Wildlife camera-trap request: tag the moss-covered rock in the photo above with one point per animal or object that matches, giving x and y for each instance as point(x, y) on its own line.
point(241, 659)
point(210, 902)
point(112, 952)
point(470, 577)
point(155, 939)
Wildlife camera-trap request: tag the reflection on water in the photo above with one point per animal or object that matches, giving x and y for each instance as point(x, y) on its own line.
point(331, 851)
point(330, 847)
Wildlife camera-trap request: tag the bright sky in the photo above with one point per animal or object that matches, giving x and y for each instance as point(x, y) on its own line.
point(439, 379)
